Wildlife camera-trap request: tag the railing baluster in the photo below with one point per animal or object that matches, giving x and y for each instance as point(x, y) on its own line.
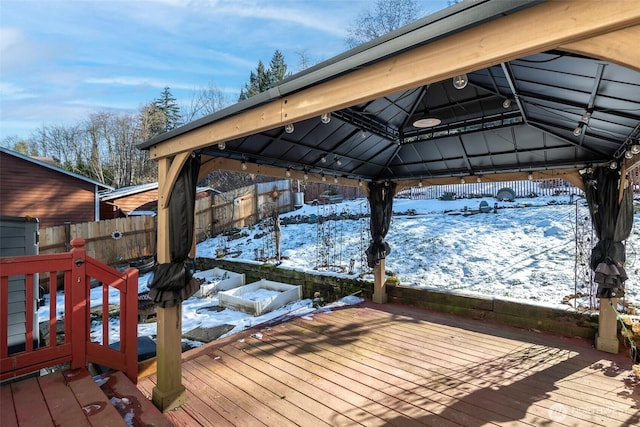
point(53, 315)
point(4, 316)
point(29, 312)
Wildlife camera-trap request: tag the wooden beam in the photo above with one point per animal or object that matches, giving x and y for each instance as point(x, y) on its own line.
point(210, 163)
point(171, 175)
point(613, 47)
point(539, 28)
point(570, 175)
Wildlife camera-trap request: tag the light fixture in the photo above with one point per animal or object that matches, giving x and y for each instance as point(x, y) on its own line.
point(584, 121)
point(359, 183)
point(506, 103)
point(427, 122)
point(478, 179)
point(335, 179)
point(222, 145)
point(530, 177)
point(289, 128)
point(460, 81)
point(325, 118)
point(288, 173)
point(635, 148)
point(462, 181)
point(578, 130)
point(613, 165)
point(628, 154)
point(324, 178)
point(305, 176)
point(420, 183)
point(323, 159)
point(243, 165)
point(363, 134)
point(338, 161)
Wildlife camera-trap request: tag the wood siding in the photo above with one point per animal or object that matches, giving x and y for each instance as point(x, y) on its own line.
point(125, 205)
point(30, 190)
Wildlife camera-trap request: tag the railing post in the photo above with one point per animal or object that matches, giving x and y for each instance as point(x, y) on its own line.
point(79, 315)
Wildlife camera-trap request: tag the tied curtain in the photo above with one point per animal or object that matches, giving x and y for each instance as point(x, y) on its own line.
point(381, 204)
point(612, 217)
point(173, 282)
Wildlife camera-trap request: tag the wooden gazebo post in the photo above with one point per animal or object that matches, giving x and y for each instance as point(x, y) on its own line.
point(169, 393)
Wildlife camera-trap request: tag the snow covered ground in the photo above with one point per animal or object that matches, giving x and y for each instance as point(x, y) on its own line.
point(524, 250)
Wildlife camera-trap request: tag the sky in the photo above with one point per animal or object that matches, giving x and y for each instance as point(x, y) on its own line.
point(61, 60)
point(524, 251)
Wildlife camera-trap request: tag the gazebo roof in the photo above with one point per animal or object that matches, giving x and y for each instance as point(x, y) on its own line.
point(537, 73)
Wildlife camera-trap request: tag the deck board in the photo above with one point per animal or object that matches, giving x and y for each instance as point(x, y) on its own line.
point(74, 398)
point(391, 365)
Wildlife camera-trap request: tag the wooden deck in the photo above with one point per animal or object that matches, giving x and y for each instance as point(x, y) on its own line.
point(74, 399)
point(394, 365)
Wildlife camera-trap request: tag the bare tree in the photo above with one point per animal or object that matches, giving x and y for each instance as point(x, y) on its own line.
point(205, 101)
point(384, 17)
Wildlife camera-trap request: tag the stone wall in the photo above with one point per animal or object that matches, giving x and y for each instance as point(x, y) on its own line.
point(331, 287)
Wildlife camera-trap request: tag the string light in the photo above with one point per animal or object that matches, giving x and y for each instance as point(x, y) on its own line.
point(222, 145)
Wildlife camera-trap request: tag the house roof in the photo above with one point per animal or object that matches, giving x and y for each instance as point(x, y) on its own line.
point(128, 191)
point(141, 188)
point(48, 165)
point(535, 100)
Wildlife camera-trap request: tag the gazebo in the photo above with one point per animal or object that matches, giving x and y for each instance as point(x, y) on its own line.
point(481, 91)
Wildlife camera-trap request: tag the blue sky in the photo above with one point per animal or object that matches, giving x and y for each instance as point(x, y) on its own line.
point(61, 60)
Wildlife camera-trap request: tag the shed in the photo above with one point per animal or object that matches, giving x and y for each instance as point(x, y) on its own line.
point(38, 189)
point(19, 236)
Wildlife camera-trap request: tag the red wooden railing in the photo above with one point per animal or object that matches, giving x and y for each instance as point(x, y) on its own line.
point(78, 271)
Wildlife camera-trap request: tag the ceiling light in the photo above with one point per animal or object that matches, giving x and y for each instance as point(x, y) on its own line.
point(335, 179)
point(289, 128)
point(478, 179)
point(628, 154)
point(324, 178)
point(427, 122)
point(359, 183)
point(462, 181)
point(613, 165)
point(288, 173)
point(338, 161)
point(530, 177)
point(305, 176)
point(420, 183)
point(578, 130)
point(323, 159)
point(325, 118)
point(506, 103)
point(460, 81)
point(243, 166)
point(222, 145)
point(635, 148)
point(363, 134)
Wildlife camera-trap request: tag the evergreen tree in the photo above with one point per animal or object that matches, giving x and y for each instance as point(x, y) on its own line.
point(168, 107)
point(264, 78)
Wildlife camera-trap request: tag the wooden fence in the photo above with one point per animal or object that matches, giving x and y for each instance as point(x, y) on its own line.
point(120, 240)
point(110, 241)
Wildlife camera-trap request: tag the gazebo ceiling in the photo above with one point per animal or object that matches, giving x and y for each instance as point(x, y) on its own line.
point(542, 111)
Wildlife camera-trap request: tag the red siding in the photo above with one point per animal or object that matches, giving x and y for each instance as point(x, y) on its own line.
point(28, 189)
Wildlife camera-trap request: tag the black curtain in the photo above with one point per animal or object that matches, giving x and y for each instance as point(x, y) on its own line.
point(612, 220)
point(173, 282)
point(381, 203)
